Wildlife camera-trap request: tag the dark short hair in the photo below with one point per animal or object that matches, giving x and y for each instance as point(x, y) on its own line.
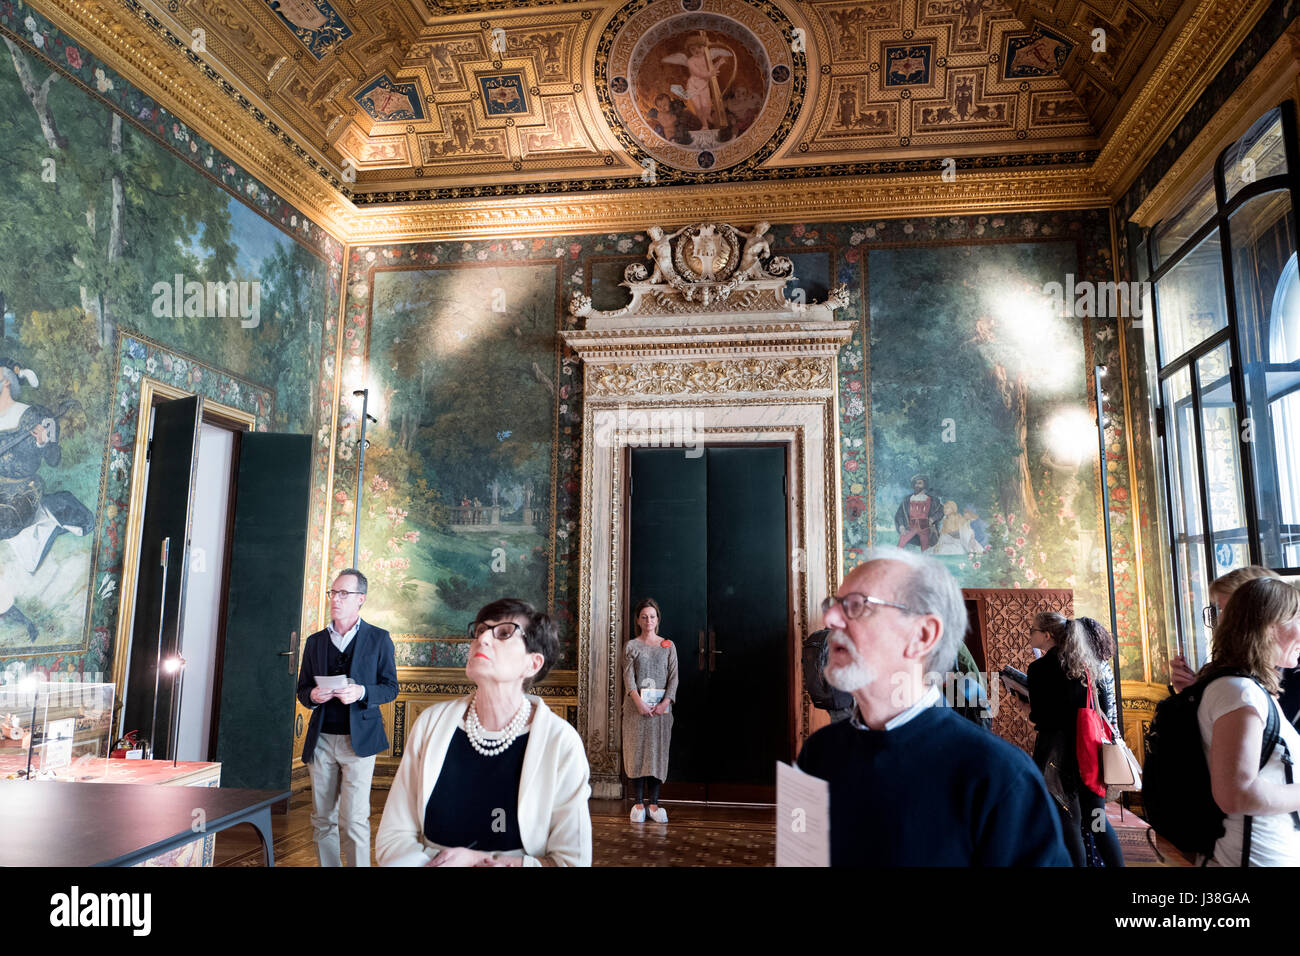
point(541, 636)
point(362, 583)
point(641, 605)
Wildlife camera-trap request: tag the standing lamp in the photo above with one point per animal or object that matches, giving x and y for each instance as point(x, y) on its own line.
point(361, 468)
point(176, 667)
point(158, 661)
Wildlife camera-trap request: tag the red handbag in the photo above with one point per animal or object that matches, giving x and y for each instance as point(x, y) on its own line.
point(1091, 731)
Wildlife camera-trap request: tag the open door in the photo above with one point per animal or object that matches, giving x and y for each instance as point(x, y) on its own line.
point(259, 661)
point(164, 562)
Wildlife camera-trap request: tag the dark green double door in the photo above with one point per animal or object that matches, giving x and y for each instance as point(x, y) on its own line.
point(708, 541)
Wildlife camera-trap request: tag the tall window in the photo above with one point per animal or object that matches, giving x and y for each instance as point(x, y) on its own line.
point(1226, 309)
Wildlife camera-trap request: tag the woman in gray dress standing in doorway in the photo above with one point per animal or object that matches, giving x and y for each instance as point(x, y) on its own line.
point(649, 672)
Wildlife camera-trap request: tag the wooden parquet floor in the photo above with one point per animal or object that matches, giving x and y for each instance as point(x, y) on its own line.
point(696, 835)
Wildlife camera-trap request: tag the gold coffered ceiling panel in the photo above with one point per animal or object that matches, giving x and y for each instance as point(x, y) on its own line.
point(362, 111)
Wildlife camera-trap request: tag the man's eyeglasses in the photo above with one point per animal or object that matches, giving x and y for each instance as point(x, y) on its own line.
point(500, 632)
point(855, 605)
point(341, 594)
point(1210, 615)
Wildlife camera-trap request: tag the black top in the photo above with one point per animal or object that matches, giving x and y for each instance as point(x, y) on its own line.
point(1054, 701)
point(937, 791)
point(335, 719)
point(475, 802)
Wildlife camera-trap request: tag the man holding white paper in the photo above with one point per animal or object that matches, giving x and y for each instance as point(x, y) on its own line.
point(911, 782)
point(347, 671)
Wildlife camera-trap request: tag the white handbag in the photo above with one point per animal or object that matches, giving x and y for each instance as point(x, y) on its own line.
point(1119, 768)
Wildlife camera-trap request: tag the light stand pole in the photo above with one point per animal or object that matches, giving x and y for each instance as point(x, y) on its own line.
point(1098, 373)
point(157, 666)
point(361, 469)
point(176, 667)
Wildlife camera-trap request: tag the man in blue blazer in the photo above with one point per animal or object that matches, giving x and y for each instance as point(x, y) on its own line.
point(346, 730)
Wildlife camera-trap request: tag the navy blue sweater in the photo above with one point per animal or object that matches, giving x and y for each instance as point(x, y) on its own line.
point(937, 791)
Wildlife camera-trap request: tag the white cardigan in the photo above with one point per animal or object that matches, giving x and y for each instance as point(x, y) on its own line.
point(554, 820)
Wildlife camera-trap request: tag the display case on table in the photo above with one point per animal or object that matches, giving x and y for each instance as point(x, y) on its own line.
point(60, 730)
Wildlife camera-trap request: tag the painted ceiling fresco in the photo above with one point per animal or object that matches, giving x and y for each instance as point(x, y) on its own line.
point(433, 96)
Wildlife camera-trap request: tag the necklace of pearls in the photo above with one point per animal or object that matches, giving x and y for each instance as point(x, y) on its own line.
point(491, 746)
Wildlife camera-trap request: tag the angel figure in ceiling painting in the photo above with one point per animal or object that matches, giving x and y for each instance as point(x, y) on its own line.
point(704, 60)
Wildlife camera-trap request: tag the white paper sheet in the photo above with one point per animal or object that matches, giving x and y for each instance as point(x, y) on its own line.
point(331, 683)
point(803, 818)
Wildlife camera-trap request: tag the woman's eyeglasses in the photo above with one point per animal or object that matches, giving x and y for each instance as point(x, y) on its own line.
point(1210, 615)
point(500, 632)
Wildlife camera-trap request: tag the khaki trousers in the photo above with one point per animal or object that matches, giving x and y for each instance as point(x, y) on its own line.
point(340, 796)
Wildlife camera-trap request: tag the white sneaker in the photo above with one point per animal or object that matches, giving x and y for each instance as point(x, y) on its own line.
point(638, 816)
point(659, 815)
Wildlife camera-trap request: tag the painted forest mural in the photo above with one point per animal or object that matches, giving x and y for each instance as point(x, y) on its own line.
point(98, 217)
point(953, 323)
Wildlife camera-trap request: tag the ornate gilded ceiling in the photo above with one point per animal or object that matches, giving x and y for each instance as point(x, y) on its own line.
point(365, 103)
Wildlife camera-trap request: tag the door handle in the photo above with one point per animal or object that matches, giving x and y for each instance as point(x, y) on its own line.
point(703, 650)
point(713, 649)
point(292, 652)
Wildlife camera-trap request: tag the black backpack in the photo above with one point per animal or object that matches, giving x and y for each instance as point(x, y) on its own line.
point(1176, 790)
point(824, 696)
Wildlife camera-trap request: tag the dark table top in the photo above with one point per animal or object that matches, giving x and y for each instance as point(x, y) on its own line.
point(52, 823)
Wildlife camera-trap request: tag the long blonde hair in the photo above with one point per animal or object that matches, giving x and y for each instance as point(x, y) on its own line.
point(1243, 639)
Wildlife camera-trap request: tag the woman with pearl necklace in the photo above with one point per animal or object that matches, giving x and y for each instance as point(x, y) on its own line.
point(495, 778)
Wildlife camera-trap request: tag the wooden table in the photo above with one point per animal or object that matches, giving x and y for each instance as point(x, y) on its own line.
point(49, 823)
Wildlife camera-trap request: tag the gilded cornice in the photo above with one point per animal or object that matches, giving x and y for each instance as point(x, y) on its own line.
point(203, 100)
point(1269, 82)
point(842, 199)
point(1213, 31)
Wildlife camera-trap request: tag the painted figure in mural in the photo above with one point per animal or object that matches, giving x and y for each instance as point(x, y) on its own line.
point(918, 517)
point(950, 531)
point(704, 62)
point(848, 106)
point(30, 519)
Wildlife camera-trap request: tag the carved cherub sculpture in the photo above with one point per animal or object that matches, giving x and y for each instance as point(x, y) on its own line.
point(757, 245)
point(661, 251)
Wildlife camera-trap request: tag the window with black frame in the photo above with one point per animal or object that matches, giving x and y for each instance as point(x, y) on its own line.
point(1226, 349)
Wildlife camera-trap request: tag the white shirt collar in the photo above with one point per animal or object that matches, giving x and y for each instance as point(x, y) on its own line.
point(928, 699)
point(341, 641)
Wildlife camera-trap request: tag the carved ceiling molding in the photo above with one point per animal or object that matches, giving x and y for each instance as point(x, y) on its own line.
point(136, 45)
point(841, 199)
point(135, 50)
point(1202, 47)
point(1269, 82)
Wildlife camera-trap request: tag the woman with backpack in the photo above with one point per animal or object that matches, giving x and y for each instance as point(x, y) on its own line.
point(1072, 650)
point(1251, 779)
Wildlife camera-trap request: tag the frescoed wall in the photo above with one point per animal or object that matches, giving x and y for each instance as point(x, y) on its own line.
point(953, 323)
point(457, 491)
point(129, 248)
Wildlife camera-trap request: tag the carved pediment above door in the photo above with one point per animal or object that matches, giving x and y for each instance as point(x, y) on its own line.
point(708, 349)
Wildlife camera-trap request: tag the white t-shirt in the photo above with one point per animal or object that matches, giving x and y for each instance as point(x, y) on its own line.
point(1274, 841)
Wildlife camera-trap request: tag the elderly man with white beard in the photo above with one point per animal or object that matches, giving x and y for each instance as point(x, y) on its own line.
point(912, 783)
